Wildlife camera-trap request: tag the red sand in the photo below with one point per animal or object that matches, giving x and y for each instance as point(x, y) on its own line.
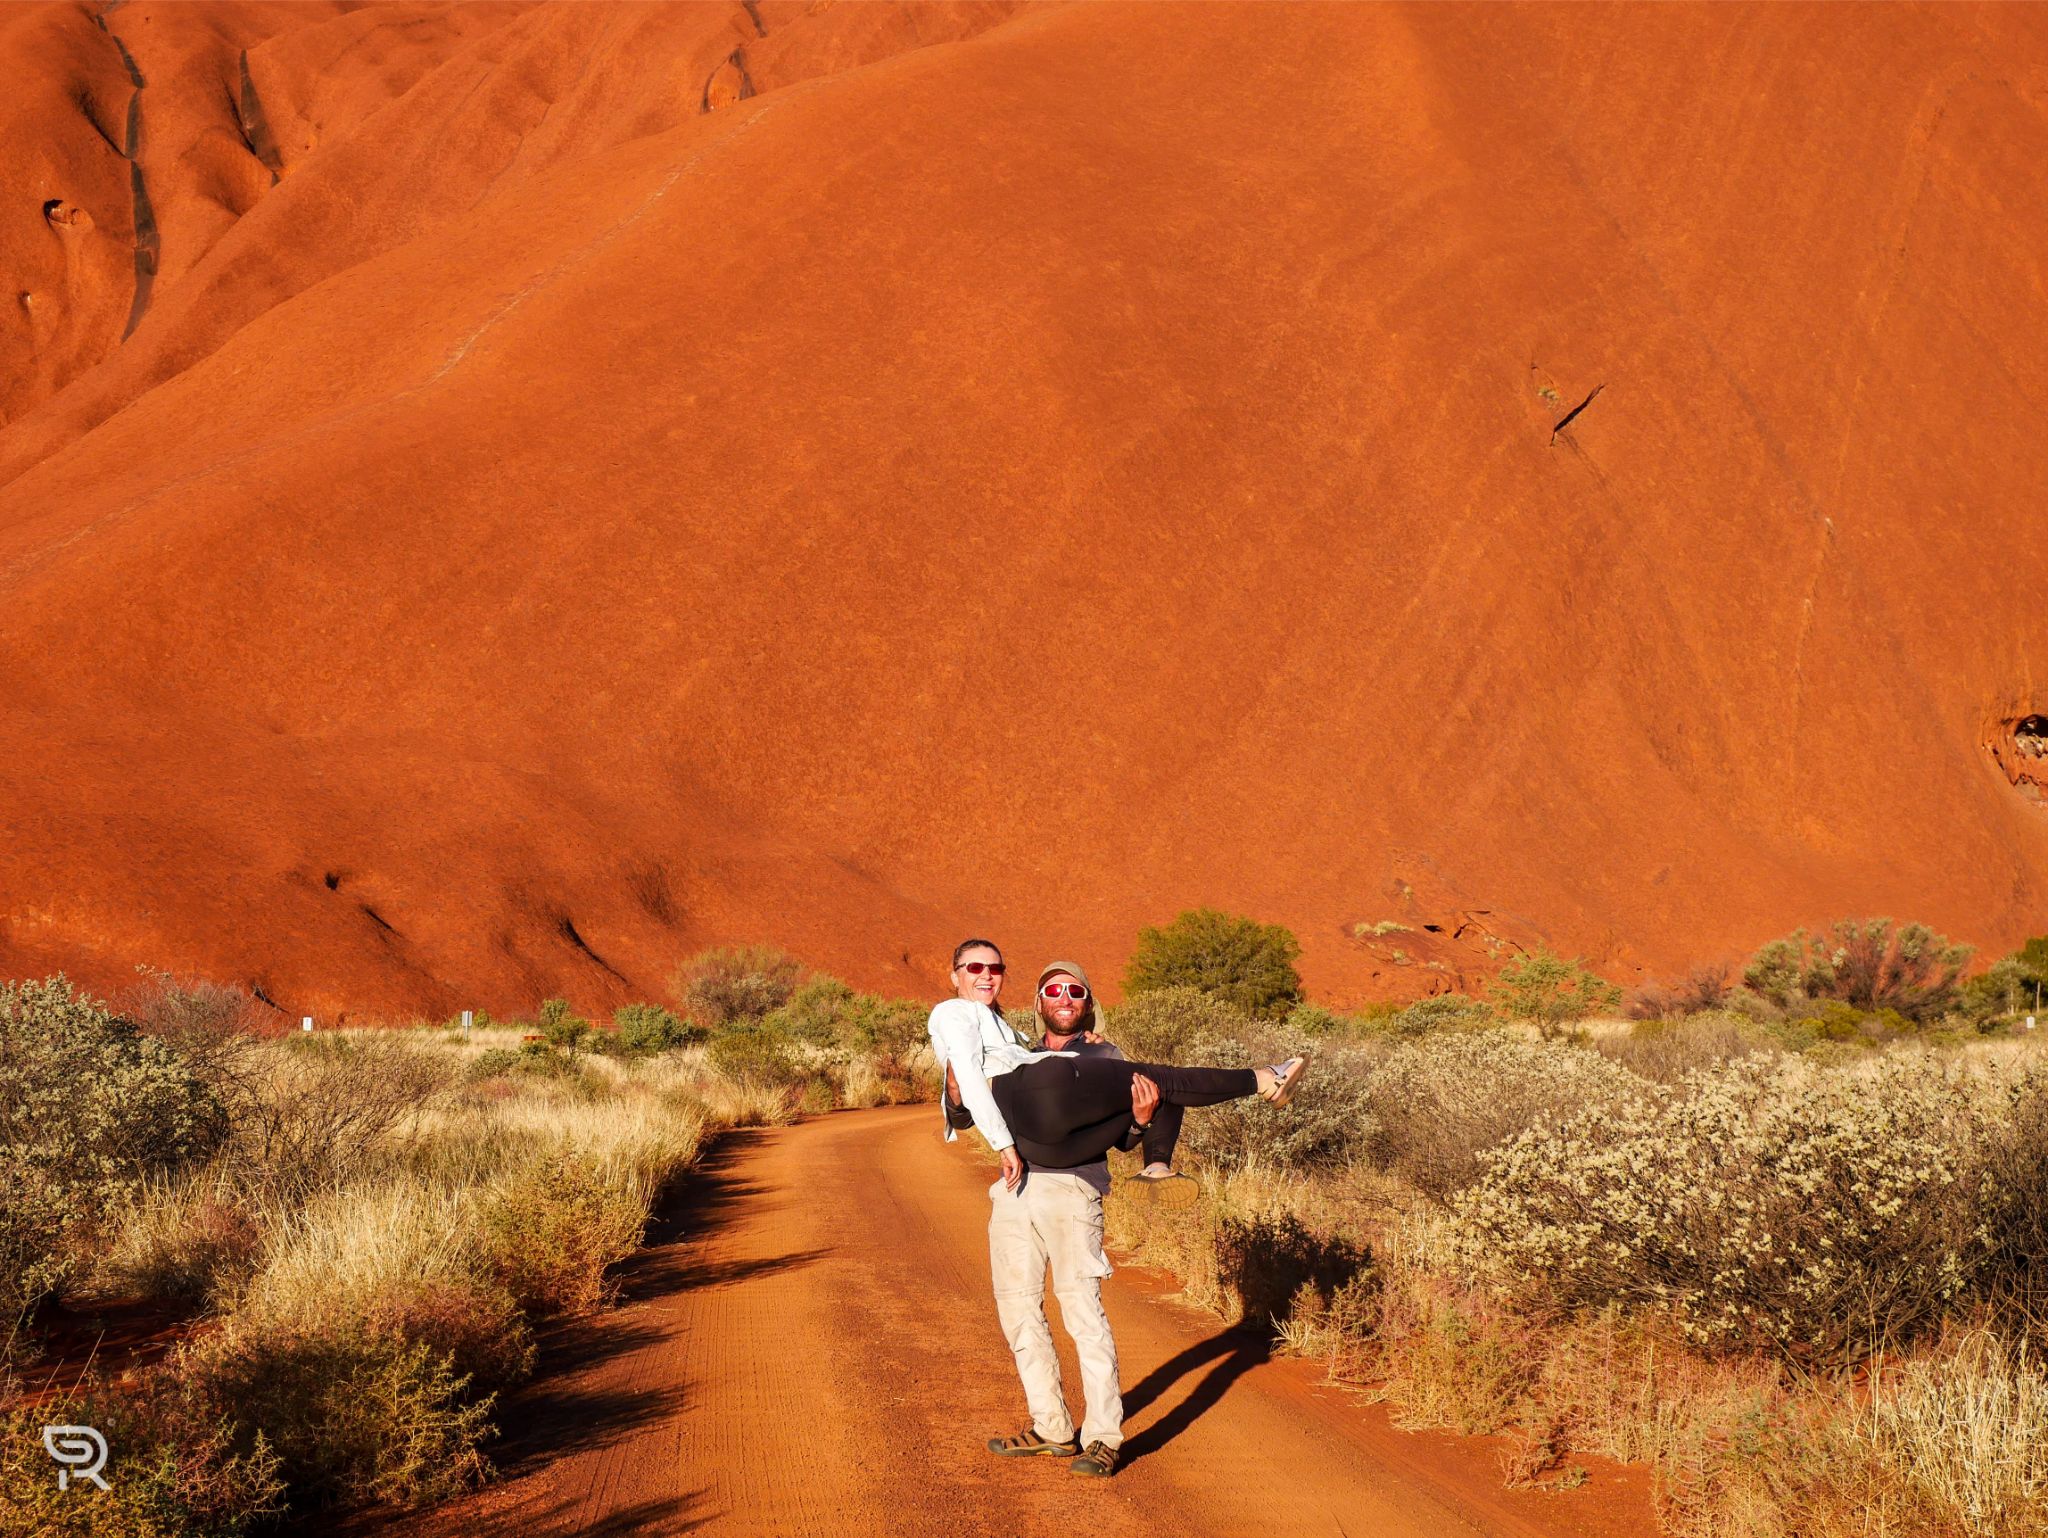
point(1020, 473)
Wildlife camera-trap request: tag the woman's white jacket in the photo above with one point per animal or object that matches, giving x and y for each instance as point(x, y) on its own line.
point(978, 1044)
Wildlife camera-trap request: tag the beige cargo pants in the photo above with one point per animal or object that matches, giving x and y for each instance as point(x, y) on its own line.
point(1056, 1222)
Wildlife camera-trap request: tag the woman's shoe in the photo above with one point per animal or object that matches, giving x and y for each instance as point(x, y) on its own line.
point(1171, 1189)
point(1286, 1076)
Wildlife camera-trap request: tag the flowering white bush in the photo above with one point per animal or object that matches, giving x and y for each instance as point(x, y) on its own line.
point(1764, 1203)
point(1439, 1102)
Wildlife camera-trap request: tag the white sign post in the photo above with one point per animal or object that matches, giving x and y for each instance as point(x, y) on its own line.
point(305, 1022)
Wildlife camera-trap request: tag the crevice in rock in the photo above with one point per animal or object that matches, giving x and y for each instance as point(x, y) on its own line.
point(266, 998)
point(255, 126)
point(1566, 420)
point(742, 89)
point(148, 239)
point(333, 880)
point(753, 10)
point(379, 920)
point(568, 930)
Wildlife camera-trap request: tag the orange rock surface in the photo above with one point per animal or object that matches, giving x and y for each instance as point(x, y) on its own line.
point(522, 492)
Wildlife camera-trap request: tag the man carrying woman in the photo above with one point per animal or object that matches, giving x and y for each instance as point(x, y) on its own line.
point(1064, 1101)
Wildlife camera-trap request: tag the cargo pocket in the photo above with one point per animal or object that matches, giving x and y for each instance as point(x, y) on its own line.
point(1091, 1259)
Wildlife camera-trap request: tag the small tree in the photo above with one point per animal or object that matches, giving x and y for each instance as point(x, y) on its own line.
point(720, 987)
point(1246, 964)
point(1552, 992)
point(2032, 959)
point(1869, 964)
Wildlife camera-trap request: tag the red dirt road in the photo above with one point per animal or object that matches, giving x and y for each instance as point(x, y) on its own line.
point(808, 1346)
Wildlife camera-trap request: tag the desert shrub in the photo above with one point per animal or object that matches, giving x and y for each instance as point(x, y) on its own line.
point(1440, 1012)
point(824, 1012)
point(183, 1240)
point(1668, 1049)
point(561, 1027)
point(328, 1110)
point(2015, 1275)
point(354, 1413)
point(1762, 1205)
point(1328, 1120)
point(750, 1055)
point(552, 1229)
point(1997, 995)
point(719, 987)
point(1869, 964)
point(1951, 1443)
point(1245, 964)
point(813, 1011)
point(1438, 1103)
point(1552, 992)
point(1269, 1264)
point(1701, 989)
point(173, 1468)
point(88, 1107)
point(1175, 1025)
point(648, 1028)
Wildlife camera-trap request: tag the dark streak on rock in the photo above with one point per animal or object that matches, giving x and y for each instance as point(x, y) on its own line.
point(1566, 420)
point(753, 10)
point(568, 929)
point(379, 920)
point(266, 998)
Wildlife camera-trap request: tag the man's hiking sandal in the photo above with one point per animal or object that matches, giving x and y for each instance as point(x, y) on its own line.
point(1029, 1444)
point(1172, 1191)
point(1286, 1077)
point(1099, 1461)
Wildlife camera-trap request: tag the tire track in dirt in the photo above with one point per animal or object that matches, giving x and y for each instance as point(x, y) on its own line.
point(808, 1346)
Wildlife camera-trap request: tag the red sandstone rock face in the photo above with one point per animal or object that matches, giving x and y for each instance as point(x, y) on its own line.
point(587, 482)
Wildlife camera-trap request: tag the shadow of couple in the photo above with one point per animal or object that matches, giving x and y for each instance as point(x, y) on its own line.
point(1228, 1355)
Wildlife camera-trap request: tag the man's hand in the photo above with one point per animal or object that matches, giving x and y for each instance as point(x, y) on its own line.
point(1013, 1168)
point(1144, 1099)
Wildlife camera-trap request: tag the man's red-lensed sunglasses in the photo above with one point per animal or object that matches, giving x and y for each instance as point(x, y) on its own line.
point(976, 968)
point(1078, 992)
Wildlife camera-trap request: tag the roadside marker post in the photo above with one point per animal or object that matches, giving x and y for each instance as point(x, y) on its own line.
point(467, 1016)
point(305, 1022)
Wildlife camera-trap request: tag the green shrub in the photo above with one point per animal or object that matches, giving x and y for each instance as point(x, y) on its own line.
point(353, 1413)
point(1175, 1025)
point(553, 1228)
point(643, 1029)
point(1869, 964)
point(719, 987)
point(1552, 992)
point(1441, 1012)
point(560, 1027)
point(813, 1013)
point(173, 1468)
point(750, 1055)
point(1245, 964)
point(88, 1107)
point(1821, 1214)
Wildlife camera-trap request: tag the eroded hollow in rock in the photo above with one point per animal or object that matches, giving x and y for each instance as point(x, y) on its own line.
point(2022, 752)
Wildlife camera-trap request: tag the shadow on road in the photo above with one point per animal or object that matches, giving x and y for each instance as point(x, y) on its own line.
point(1233, 1352)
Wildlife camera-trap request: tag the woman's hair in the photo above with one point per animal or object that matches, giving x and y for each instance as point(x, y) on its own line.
point(974, 945)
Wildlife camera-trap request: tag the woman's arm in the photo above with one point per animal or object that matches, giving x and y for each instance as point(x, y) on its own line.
point(956, 1034)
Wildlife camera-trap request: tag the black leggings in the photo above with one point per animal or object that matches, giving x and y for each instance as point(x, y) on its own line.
point(1070, 1111)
